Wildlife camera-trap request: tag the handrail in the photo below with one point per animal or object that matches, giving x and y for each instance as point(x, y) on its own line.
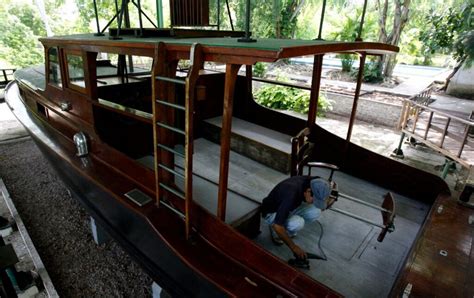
point(459, 137)
point(286, 84)
point(409, 101)
point(6, 76)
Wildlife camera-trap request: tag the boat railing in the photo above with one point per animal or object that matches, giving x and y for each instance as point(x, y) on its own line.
point(6, 76)
point(285, 84)
point(444, 132)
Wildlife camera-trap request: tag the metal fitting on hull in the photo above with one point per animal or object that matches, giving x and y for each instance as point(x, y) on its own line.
point(80, 140)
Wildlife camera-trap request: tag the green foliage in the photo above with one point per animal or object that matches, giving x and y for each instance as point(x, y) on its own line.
point(467, 42)
point(347, 30)
point(18, 43)
point(450, 31)
point(289, 98)
point(28, 16)
point(372, 73)
point(347, 60)
point(270, 19)
point(259, 69)
point(308, 21)
point(344, 25)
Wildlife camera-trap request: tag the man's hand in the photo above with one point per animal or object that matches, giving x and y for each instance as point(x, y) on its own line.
point(299, 253)
point(329, 202)
point(281, 231)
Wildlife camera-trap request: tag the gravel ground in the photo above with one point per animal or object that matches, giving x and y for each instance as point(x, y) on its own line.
point(59, 228)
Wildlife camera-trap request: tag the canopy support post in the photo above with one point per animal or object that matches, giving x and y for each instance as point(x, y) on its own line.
point(99, 33)
point(315, 88)
point(247, 38)
point(359, 34)
point(323, 12)
point(231, 73)
point(356, 96)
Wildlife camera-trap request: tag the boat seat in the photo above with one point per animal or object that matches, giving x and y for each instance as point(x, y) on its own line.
point(268, 147)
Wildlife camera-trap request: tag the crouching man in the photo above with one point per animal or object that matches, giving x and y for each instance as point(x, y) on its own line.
point(293, 202)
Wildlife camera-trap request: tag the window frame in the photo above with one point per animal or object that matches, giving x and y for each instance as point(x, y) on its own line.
point(48, 67)
point(69, 84)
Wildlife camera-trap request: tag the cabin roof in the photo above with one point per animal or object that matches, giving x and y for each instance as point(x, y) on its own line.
point(272, 49)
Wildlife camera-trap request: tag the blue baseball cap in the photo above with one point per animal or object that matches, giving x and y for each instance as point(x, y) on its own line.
point(321, 190)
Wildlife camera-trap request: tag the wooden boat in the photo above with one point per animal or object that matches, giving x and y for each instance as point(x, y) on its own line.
point(122, 137)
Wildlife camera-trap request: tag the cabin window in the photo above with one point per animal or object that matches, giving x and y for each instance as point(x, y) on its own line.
point(124, 106)
point(113, 69)
point(75, 71)
point(123, 82)
point(54, 68)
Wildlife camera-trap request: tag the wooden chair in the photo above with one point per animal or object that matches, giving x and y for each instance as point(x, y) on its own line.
point(301, 155)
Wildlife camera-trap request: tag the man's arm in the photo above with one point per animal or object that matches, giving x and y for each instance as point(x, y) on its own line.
point(281, 231)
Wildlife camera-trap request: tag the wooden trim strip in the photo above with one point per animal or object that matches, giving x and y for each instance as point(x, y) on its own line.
point(197, 63)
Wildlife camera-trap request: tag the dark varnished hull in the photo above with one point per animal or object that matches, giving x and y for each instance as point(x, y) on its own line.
point(145, 241)
point(128, 228)
point(214, 264)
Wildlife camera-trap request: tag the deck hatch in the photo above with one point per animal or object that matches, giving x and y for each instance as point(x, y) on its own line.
point(138, 197)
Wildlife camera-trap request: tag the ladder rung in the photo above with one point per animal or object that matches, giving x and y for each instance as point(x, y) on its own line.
point(169, 104)
point(170, 170)
point(173, 191)
point(171, 150)
point(171, 80)
point(171, 128)
point(181, 214)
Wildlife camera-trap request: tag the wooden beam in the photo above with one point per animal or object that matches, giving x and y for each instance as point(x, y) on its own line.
point(356, 96)
point(230, 78)
point(445, 132)
point(428, 125)
point(315, 87)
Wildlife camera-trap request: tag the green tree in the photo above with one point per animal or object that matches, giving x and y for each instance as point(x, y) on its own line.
point(18, 45)
point(19, 32)
point(451, 31)
point(393, 16)
point(276, 19)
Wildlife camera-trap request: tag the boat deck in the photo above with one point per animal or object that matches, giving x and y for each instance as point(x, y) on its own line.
point(355, 258)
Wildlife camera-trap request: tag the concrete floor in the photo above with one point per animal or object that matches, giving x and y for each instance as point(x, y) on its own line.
point(10, 128)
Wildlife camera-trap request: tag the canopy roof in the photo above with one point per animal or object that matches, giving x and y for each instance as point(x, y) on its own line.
point(261, 50)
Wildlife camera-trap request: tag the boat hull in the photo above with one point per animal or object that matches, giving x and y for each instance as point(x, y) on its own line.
point(131, 230)
point(218, 261)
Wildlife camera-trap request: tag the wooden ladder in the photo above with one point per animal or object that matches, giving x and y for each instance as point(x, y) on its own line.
point(164, 82)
